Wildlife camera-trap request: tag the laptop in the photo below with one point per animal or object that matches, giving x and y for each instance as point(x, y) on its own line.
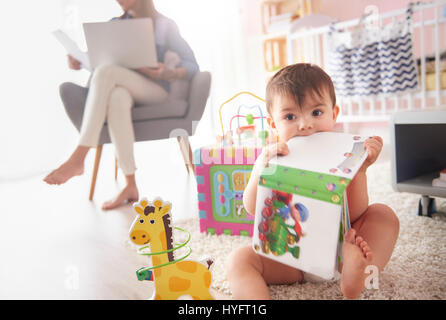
point(129, 43)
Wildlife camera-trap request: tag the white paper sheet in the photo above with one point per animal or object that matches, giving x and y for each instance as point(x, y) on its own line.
point(72, 48)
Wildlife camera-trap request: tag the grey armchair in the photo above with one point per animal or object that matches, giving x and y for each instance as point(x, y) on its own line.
point(173, 118)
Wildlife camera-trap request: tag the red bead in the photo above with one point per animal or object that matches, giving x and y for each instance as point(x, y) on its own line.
point(268, 202)
point(266, 212)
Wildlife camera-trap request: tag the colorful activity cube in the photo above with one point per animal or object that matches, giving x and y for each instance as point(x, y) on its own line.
point(222, 174)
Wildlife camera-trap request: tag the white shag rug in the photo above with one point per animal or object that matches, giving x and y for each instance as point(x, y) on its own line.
point(417, 269)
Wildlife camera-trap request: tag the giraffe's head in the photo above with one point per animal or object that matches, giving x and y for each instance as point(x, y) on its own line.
point(153, 219)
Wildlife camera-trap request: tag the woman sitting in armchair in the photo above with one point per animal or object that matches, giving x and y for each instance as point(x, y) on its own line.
point(114, 90)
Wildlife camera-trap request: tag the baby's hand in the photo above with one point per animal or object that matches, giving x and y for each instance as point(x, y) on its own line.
point(373, 145)
point(270, 151)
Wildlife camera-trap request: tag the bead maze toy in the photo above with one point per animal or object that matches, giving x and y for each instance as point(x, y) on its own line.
point(223, 171)
point(173, 277)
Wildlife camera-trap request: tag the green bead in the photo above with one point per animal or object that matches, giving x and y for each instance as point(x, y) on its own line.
point(263, 134)
point(249, 118)
point(142, 274)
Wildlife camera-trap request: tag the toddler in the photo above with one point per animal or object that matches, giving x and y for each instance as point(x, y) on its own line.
point(300, 101)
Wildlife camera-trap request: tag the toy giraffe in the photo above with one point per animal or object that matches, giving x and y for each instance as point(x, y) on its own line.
point(152, 225)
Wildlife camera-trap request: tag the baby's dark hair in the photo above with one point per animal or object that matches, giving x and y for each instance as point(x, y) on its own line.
point(298, 80)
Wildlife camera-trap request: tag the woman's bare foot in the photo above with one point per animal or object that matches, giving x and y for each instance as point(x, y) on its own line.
point(65, 172)
point(74, 166)
point(127, 195)
point(356, 256)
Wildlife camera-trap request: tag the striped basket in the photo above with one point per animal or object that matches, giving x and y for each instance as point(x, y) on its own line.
point(373, 61)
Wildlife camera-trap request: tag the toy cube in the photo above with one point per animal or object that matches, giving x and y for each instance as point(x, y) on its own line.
point(222, 174)
point(301, 206)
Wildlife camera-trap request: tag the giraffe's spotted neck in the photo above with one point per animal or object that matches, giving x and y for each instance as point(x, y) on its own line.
point(157, 246)
point(162, 242)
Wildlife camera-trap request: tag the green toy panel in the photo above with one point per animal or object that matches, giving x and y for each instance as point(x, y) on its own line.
point(315, 185)
point(227, 183)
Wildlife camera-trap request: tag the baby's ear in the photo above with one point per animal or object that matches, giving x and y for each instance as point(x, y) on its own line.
point(336, 110)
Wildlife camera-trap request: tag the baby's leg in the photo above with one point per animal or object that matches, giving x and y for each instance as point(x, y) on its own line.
point(379, 226)
point(376, 232)
point(249, 274)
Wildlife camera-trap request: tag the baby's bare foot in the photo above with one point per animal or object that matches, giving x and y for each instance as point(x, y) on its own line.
point(127, 195)
point(356, 256)
point(361, 243)
point(65, 172)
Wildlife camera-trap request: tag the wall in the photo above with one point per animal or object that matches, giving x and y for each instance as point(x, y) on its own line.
point(33, 64)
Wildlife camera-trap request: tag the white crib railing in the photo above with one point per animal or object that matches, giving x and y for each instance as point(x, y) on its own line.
point(309, 45)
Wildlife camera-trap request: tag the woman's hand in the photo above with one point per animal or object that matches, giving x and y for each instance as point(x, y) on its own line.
point(73, 63)
point(160, 73)
point(373, 145)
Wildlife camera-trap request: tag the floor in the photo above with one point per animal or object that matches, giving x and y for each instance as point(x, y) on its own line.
point(55, 244)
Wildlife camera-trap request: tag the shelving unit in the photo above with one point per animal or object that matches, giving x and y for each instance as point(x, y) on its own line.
point(418, 154)
point(277, 16)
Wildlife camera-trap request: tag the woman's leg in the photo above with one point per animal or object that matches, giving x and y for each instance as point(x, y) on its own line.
point(93, 121)
point(104, 80)
point(120, 128)
point(132, 86)
point(128, 194)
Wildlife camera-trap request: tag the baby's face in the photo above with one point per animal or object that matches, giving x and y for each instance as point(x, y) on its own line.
point(317, 114)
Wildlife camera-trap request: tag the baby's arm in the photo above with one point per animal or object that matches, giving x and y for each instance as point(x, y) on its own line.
point(250, 193)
